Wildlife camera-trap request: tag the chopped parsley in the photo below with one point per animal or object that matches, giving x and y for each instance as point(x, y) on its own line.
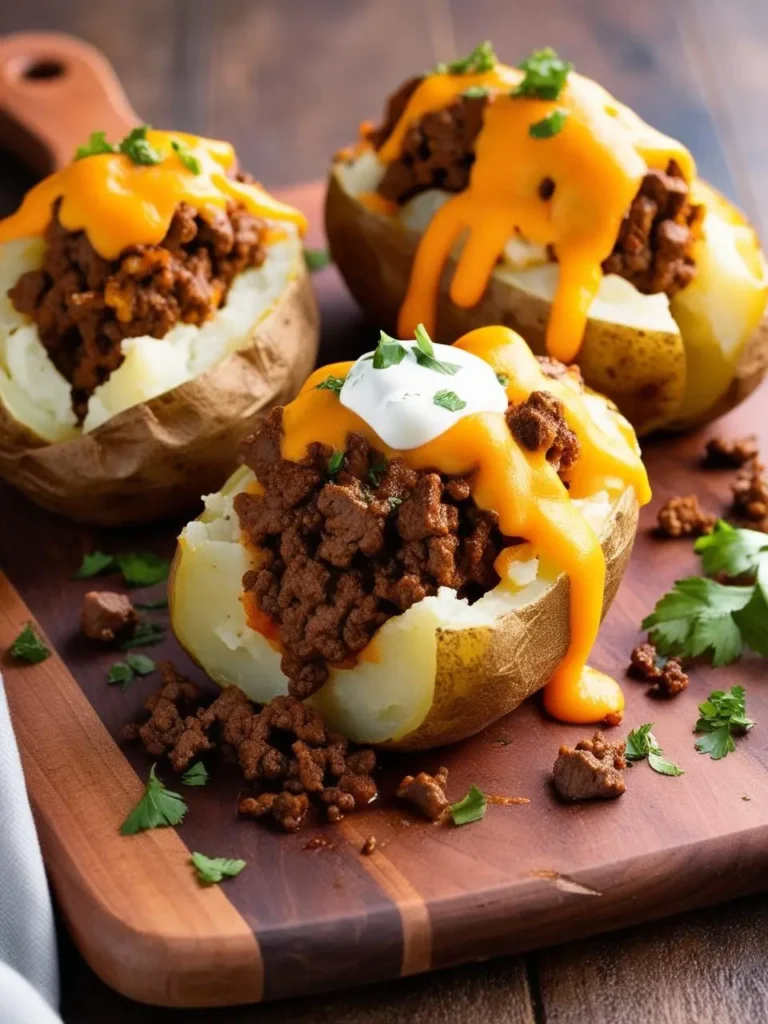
point(552, 124)
point(316, 259)
point(29, 647)
point(94, 563)
point(143, 569)
point(96, 144)
point(641, 744)
point(481, 59)
point(731, 551)
point(721, 717)
point(335, 462)
point(120, 674)
point(471, 808)
point(158, 808)
point(449, 400)
point(137, 147)
point(389, 352)
point(425, 354)
point(146, 634)
point(377, 471)
point(394, 502)
point(211, 870)
point(331, 383)
point(503, 379)
point(188, 160)
point(476, 92)
point(545, 75)
point(197, 775)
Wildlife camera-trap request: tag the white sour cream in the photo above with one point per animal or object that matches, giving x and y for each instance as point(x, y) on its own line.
point(398, 402)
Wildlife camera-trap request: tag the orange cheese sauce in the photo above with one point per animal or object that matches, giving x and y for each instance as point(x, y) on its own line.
point(596, 162)
point(525, 491)
point(119, 203)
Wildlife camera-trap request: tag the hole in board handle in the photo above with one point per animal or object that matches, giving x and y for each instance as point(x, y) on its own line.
point(44, 69)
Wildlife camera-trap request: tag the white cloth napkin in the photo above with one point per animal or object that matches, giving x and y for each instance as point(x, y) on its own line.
point(29, 982)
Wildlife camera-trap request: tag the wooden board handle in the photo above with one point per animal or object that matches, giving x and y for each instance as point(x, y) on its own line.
point(54, 91)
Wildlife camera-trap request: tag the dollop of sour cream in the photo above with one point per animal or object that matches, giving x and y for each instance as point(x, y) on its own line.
point(410, 403)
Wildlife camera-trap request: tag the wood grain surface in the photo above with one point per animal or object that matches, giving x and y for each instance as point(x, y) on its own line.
point(697, 69)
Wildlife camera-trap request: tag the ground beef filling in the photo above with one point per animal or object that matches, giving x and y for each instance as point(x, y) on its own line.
point(654, 249)
point(341, 554)
point(84, 306)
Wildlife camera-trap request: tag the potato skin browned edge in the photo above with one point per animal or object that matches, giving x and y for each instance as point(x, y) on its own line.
point(375, 254)
point(155, 459)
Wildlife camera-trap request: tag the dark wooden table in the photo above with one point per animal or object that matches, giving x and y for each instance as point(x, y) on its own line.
point(288, 81)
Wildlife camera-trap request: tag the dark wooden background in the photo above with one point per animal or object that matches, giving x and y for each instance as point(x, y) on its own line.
point(288, 81)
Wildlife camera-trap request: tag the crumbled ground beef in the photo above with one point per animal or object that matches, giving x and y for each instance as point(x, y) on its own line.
point(730, 454)
point(106, 614)
point(750, 494)
point(427, 792)
point(284, 749)
point(590, 771)
point(84, 306)
point(539, 423)
point(667, 677)
point(341, 555)
point(684, 517)
point(369, 846)
point(654, 248)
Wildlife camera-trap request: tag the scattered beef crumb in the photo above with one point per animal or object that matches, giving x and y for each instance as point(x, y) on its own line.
point(684, 517)
point(427, 792)
point(722, 454)
point(614, 718)
point(668, 677)
point(590, 771)
point(538, 424)
point(750, 494)
point(106, 614)
point(173, 728)
point(287, 809)
point(318, 843)
point(368, 846)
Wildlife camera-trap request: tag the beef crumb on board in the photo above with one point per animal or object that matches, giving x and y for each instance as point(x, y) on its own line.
point(684, 517)
point(592, 770)
point(667, 676)
point(750, 495)
point(106, 614)
point(427, 792)
point(730, 454)
point(284, 749)
point(369, 846)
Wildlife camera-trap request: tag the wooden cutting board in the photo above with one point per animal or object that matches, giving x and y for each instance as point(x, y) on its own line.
point(301, 920)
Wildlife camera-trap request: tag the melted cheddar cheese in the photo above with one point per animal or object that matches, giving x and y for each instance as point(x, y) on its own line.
point(596, 162)
point(522, 487)
point(118, 203)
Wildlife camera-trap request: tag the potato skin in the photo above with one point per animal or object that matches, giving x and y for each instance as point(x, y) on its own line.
point(155, 459)
point(374, 255)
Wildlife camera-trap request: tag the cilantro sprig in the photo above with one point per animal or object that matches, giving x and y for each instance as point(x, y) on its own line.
point(545, 75)
point(158, 808)
point(731, 551)
point(389, 352)
point(29, 646)
point(139, 569)
point(136, 146)
point(481, 59)
point(97, 143)
point(197, 775)
point(471, 808)
point(211, 870)
point(123, 673)
point(642, 744)
point(722, 716)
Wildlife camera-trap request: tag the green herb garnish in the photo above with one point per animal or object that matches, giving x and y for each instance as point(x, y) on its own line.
point(449, 400)
point(425, 354)
point(187, 159)
point(330, 383)
point(335, 462)
point(94, 563)
point(316, 259)
point(96, 144)
point(641, 743)
point(120, 674)
point(471, 808)
point(158, 808)
point(481, 59)
point(146, 634)
point(211, 870)
point(721, 717)
point(137, 148)
point(548, 126)
point(197, 775)
point(732, 551)
point(389, 352)
point(394, 502)
point(503, 379)
point(545, 75)
point(152, 605)
point(143, 569)
point(377, 471)
point(476, 92)
point(29, 647)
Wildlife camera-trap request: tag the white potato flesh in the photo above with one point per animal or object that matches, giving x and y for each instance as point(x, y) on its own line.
point(37, 395)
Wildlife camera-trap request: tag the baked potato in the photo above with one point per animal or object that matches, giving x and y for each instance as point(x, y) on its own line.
point(451, 662)
point(464, 207)
point(145, 329)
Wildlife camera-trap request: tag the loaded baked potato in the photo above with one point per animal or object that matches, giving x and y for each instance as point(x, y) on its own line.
point(418, 542)
point(531, 197)
point(154, 305)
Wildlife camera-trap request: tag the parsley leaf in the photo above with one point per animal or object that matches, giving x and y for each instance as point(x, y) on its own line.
point(137, 148)
point(158, 808)
point(188, 160)
point(331, 383)
point(752, 619)
point(503, 379)
point(425, 354)
point(475, 92)
point(471, 808)
point(698, 615)
point(722, 716)
point(449, 400)
point(732, 551)
point(641, 743)
point(143, 569)
point(548, 126)
point(197, 775)
point(545, 75)
point(93, 564)
point(481, 59)
point(335, 462)
point(29, 647)
point(214, 869)
point(146, 634)
point(660, 764)
point(389, 352)
point(96, 144)
point(141, 664)
point(377, 471)
point(152, 605)
point(120, 674)
point(424, 341)
point(316, 259)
